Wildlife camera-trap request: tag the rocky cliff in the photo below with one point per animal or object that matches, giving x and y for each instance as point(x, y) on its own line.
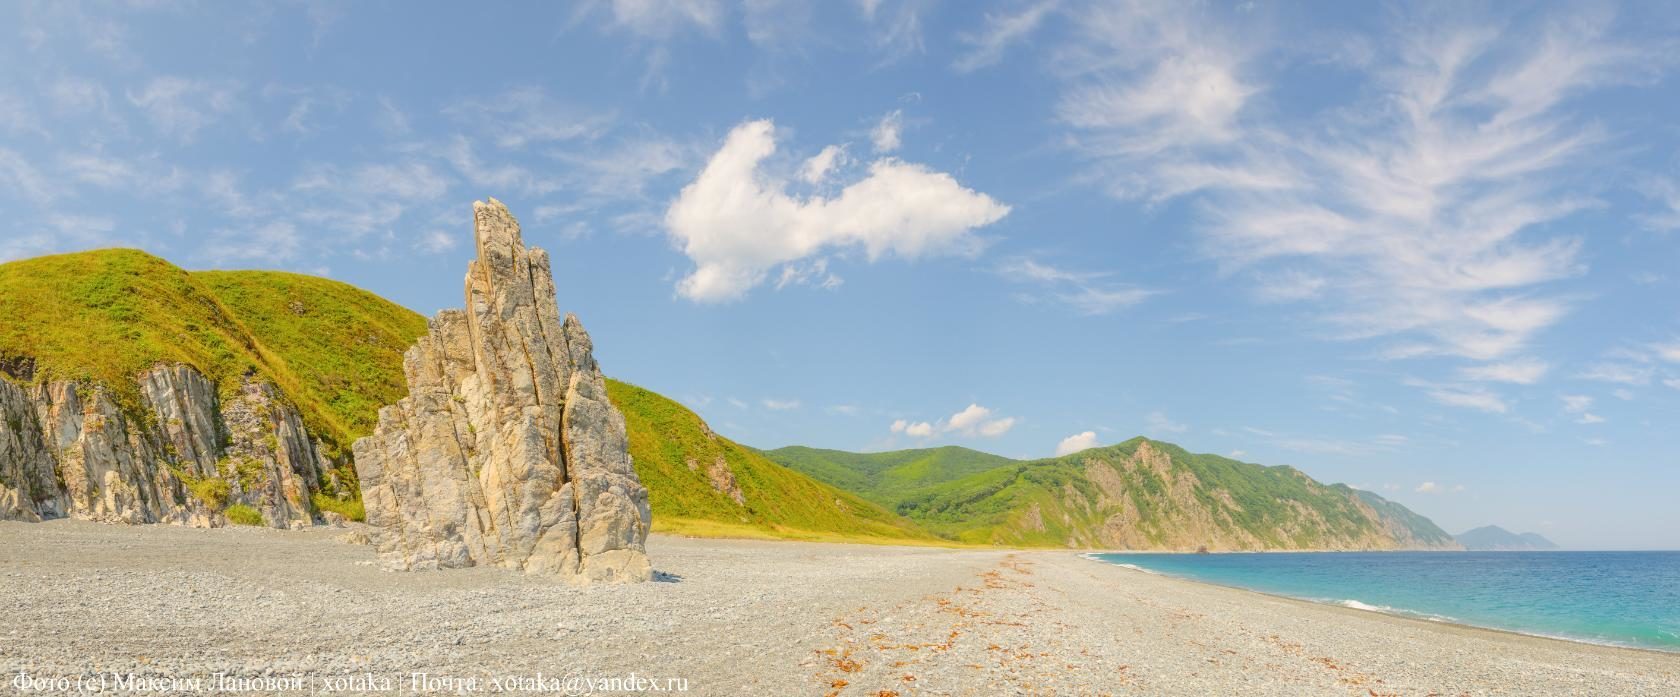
point(185, 455)
point(506, 450)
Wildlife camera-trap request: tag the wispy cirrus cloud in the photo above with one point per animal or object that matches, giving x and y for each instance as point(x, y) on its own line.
point(896, 26)
point(1475, 397)
point(657, 19)
point(1000, 31)
point(1086, 292)
point(1323, 445)
point(1158, 424)
point(526, 116)
point(1664, 193)
point(1521, 371)
point(180, 107)
point(1618, 372)
point(1410, 214)
point(1580, 406)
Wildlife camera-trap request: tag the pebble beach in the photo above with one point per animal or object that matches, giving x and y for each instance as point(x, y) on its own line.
point(258, 611)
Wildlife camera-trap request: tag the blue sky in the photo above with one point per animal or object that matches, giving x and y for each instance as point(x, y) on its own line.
point(1425, 250)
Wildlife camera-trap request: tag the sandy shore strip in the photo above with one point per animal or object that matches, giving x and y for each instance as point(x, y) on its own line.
point(87, 602)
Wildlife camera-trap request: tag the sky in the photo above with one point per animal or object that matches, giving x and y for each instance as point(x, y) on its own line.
point(1426, 250)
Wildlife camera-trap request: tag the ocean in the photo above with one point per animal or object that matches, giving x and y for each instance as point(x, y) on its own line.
point(1617, 598)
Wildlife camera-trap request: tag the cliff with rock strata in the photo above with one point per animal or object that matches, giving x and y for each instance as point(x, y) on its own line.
point(187, 456)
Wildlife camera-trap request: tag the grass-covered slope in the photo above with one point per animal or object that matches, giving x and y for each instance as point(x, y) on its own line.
point(343, 344)
point(886, 478)
point(1140, 494)
point(335, 351)
point(106, 316)
point(676, 454)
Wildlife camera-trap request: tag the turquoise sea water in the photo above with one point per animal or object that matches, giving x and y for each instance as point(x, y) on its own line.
point(1620, 598)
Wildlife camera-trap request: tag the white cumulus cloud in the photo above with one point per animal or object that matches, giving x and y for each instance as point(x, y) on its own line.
point(736, 222)
point(1079, 441)
point(920, 429)
point(968, 419)
point(821, 164)
point(973, 420)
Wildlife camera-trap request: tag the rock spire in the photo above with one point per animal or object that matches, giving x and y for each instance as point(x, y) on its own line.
point(506, 450)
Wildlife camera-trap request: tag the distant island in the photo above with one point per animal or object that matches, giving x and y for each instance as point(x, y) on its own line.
point(1492, 538)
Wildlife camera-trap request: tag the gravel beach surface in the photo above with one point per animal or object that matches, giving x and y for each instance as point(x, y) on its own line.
point(257, 611)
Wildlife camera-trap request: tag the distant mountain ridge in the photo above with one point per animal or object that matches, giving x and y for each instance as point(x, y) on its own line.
point(1140, 494)
point(1492, 538)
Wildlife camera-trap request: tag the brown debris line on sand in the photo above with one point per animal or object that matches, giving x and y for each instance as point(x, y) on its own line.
point(987, 633)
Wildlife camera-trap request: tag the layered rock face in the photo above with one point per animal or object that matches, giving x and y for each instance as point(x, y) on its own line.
point(506, 451)
point(68, 450)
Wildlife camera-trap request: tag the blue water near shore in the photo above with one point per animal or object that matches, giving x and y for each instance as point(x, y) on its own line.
point(1618, 598)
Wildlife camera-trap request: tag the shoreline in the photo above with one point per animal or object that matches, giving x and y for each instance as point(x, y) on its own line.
point(1398, 613)
point(740, 617)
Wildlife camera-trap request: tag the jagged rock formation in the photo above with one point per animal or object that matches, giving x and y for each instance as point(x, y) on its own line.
point(506, 450)
point(68, 450)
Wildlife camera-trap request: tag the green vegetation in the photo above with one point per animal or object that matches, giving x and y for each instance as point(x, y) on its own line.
point(886, 478)
point(343, 344)
point(673, 452)
point(212, 491)
point(351, 509)
point(241, 514)
point(1161, 495)
point(107, 316)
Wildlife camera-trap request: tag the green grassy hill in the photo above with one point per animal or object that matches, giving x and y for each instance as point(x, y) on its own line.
point(886, 478)
point(1140, 494)
point(675, 452)
point(335, 351)
point(106, 316)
